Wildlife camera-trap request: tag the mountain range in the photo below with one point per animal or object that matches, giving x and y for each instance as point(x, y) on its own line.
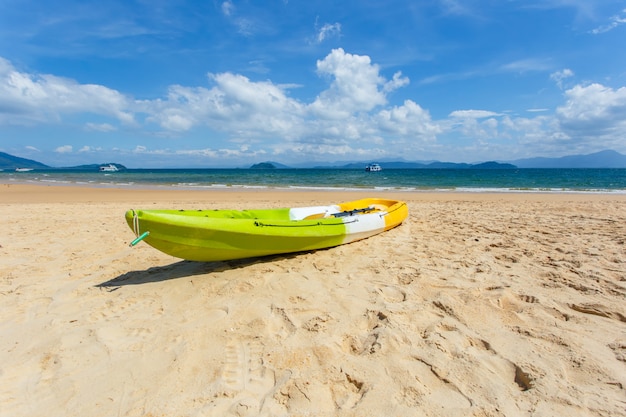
point(602, 159)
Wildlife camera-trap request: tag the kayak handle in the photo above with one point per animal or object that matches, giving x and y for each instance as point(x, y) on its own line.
point(139, 239)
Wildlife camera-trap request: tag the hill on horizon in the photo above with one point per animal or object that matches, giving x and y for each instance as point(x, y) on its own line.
point(602, 159)
point(12, 162)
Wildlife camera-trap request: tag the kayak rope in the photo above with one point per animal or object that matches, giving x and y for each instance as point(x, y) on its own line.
point(135, 223)
point(136, 230)
point(348, 213)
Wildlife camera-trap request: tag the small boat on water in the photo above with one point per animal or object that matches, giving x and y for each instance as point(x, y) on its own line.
point(23, 169)
point(109, 168)
point(219, 235)
point(373, 168)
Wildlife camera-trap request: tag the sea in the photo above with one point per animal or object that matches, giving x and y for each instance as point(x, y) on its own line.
point(410, 180)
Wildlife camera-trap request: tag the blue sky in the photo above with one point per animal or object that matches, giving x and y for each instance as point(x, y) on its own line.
point(176, 83)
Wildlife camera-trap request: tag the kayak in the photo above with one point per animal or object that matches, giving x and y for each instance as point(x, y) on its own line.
point(219, 235)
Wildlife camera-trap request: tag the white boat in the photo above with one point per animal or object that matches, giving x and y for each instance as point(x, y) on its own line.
point(23, 169)
point(373, 168)
point(109, 168)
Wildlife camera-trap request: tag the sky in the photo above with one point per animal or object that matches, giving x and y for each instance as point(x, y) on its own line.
point(213, 83)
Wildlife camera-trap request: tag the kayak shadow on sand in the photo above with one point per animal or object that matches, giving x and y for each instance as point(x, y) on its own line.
point(185, 269)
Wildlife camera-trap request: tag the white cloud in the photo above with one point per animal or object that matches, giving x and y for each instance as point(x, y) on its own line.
point(591, 115)
point(614, 22)
point(355, 85)
point(245, 26)
point(527, 65)
point(227, 154)
point(350, 117)
point(472, 114)
point(396, 82)
point(455, 7)
point(559, 76)
point(33, 98)
point(64, 149)
point(328, 31)
point(234, 104)
point(255, 109)
point(410, 119)
point(228, 7)
point(100, 127)
point(480, 130)
point(176, 120)
point(594, 111)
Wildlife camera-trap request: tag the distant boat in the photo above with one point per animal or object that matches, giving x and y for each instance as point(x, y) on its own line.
point(373, 168)
point(109, 168)
point(23, 169)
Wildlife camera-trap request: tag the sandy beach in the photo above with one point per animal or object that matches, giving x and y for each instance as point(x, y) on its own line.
point(477, 305)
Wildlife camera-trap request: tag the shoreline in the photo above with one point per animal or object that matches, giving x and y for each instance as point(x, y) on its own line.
point(11, 193)
point(568, 181)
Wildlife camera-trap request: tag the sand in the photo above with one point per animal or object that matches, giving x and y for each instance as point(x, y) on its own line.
point(477, 305)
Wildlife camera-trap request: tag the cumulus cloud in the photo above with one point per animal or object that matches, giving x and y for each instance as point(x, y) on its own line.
point(241, 108)
point(357, 85)
point(397, 81)
point(64, 149)
point(235, 104)
point(594, 111)
point(350, 117)
point(409, 119)
point(29, 98)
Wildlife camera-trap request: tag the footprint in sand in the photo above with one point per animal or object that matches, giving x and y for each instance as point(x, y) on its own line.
point(407, 275)
point(373, 323)
point(347, 391)
point(619, 348)
point(285, 322)
point(248, 383)
point(392, 294)
point(598, 310)
point(449, 341)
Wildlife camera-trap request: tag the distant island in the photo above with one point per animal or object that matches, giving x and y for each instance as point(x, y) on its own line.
point(12, 162)
point(602, 159)
point(263, 165)
point(15, 162)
